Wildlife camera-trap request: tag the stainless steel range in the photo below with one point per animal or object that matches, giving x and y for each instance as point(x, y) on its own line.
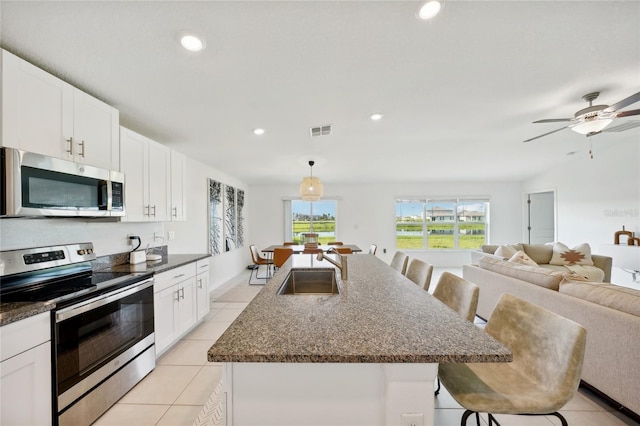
point(102, 326)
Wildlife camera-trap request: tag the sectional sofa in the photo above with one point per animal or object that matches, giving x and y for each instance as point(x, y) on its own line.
point(610, 313)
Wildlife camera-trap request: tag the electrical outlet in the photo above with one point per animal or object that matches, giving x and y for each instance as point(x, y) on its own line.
point(172, 235)
point(412, 419)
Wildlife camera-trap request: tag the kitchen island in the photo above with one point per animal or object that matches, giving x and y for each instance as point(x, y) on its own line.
point(366, 356)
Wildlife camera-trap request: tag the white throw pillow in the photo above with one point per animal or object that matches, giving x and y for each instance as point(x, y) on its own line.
point(505, 252)
point(522, 258)
point(564, 256)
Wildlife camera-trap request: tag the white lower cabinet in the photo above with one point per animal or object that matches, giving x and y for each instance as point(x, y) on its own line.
point(175, 310)
point(202, 288)
point(25, 372)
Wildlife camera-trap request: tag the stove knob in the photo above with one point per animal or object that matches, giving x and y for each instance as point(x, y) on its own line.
point(81, 252)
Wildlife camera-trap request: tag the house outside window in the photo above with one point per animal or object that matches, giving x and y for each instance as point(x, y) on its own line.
point(456, 223)
point(306, 216)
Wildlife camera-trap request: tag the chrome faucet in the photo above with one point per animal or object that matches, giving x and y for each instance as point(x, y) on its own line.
point(342, 265)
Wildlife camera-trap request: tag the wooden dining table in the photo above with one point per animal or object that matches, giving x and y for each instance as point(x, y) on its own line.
point(300, 248)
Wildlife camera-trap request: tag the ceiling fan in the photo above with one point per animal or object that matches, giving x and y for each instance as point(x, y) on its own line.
point(594, 119)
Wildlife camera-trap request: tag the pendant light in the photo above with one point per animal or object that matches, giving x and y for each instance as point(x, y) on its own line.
point(311, 189)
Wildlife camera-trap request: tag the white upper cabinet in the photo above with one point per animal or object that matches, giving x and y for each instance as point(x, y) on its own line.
point(45, 115)
point(146, 165)
point(178, 182)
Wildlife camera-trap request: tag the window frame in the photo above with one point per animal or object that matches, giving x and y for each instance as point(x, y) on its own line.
point(288, 216)
point(455, 219)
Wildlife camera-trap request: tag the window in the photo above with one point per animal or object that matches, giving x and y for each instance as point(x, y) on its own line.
point(301, 216)
point(441, 223)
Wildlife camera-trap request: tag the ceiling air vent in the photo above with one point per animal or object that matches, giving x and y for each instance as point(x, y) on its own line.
point(320, 130)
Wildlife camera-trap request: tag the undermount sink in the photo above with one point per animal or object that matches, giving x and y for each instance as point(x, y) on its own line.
point(306, 281)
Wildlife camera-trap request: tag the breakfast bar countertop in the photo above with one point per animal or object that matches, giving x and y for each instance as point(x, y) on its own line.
point(378, 317)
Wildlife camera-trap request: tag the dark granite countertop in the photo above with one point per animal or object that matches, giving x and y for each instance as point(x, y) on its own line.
point(11, 312)
point(379, 317)
point(167, 263)
point(16, 311)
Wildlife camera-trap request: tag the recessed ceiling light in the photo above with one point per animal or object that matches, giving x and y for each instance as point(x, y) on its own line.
point(429, 10)
point(258, 131)
point(377, 116)
point(192, 43)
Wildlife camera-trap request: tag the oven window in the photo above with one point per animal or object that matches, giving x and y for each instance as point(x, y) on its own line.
point(87, 341)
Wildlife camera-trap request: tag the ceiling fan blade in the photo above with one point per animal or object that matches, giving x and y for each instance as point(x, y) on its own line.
point(623, 103)
point(628, 113)
point(545, 134)
point(631, 124)
point(552, 120)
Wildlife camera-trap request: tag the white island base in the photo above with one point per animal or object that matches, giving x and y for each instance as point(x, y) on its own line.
point(328, 393)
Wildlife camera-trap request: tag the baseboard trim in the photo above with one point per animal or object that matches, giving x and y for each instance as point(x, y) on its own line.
point(610, 401)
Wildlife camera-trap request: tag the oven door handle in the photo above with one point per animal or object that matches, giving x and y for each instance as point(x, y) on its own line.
point(101, 300)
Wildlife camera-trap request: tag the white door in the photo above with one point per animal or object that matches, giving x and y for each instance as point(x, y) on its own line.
point(541, 207)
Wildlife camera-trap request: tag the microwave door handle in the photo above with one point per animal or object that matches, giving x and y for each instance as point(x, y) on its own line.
point(109, 195)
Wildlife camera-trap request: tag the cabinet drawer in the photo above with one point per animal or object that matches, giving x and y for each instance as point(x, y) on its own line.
point(25, 334)
point(174, 276)
point(202, 265)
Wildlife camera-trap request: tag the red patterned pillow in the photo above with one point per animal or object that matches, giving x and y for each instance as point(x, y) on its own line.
point(564, 256)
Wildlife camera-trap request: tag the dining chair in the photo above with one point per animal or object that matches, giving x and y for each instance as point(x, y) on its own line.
point(343, 250)
point(399, 262)
point(259, 261)
point(420, 273)
point(335, 243)
point(372, 249)
point(280, 256)
point(548, 354)
point(458, 294)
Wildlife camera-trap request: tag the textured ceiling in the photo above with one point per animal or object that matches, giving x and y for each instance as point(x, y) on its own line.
point(458, 93)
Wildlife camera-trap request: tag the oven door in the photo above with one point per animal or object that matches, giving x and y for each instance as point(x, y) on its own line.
point(95, 338)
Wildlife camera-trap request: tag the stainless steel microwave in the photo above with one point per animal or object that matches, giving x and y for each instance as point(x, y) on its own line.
point(38, 185)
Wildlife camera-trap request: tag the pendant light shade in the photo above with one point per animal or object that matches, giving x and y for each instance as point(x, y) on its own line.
point(311, 189)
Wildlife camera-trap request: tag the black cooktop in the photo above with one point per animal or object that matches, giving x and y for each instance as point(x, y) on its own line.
point(71, 287)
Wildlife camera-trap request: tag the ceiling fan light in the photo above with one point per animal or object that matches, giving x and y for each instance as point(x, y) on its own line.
point(591, 126)
point(429, 10)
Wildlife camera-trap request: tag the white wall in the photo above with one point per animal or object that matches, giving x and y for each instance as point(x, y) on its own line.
point(366, 213)
point(192, 236)
point(596, 197)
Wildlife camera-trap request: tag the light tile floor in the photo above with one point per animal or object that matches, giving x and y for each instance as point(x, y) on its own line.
point(176, 391)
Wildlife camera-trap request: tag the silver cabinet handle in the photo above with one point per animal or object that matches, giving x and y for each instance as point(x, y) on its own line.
point(178, 276)
point(182, 291)
point(147, 209)
point(175, 212)
point(177, 295)
point(82, 151)
point(154, 210)
point(200, 283)
point(70, 149)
